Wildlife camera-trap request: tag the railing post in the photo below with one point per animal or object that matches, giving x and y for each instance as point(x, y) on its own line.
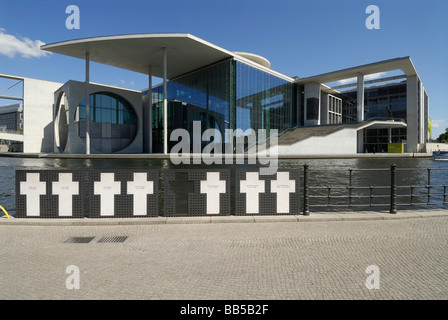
point(393, 189)
point(306, 205)
point(444, 194)
point(350, 187)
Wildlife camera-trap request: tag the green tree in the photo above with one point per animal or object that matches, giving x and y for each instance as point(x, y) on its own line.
point(443, 138)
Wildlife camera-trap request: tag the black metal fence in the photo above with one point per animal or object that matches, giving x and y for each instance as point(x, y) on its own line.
point(385, 193)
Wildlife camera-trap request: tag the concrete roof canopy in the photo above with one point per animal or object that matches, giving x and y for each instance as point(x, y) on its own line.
point(403, 63)
point(136, 52)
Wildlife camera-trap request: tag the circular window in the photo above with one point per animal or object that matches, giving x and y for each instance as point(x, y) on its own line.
point(113, 122)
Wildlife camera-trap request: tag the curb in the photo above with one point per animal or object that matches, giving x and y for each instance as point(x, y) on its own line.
point(313, 217)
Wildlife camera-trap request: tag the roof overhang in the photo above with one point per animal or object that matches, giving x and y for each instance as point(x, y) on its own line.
point(404, 64)
point(137, 52)
point(255, 58)
point(381, 124)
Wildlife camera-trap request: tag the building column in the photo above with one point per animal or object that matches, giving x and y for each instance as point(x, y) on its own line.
point(360, 141)
point(150, 109)
point(412, 103)
point(360, 98)
point(312, 116)
point(87, 104)
point(165, 104)
point(422, 126)
point(324, 109)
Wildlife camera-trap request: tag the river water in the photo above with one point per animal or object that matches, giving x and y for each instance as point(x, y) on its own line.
point(322, 173)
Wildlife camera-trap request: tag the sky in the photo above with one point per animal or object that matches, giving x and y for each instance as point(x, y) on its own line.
point(299, 37)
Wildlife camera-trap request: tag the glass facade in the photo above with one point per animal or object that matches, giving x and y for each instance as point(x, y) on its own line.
point(377, 140)
point(227, 95)
point(10, 122)
point(205, 96)
point(334, 115)
point(381, 103)
point(263, 101)
point(113, 122)
point(11, 118)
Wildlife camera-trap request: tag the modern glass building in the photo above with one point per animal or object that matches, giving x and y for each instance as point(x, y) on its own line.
point(224, 90)
point(387, 102)
point(11, 118)
point(227, 95)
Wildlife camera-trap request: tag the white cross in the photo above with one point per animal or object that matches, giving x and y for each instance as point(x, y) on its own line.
point(213, 187)
point(140, 188)
point(65, 188)
point(252, 187)
point(107, 188)
point(33, 188)
point(283, 187)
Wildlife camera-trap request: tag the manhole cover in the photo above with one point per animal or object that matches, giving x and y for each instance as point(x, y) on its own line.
point(79, 240)
point(113, 239)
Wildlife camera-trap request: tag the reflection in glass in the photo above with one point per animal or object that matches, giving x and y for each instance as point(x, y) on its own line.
point(113, 122)
point(227, 95)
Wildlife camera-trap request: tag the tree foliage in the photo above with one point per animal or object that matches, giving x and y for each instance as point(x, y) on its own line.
point(443, 138)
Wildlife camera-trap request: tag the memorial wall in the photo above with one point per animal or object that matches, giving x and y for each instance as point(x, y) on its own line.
point(138, 193)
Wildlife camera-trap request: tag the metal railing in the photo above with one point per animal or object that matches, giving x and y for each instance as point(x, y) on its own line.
point(393, 192)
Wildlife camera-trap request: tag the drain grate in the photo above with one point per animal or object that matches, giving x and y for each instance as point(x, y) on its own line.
point(114, 239)
point(79, 240)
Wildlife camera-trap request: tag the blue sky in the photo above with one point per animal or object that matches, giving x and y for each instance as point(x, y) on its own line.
point(300, 38)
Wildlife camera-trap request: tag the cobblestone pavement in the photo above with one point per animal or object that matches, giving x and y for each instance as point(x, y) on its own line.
point(224, 261)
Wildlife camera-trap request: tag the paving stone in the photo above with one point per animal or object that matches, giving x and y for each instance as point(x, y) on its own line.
point(325, 258)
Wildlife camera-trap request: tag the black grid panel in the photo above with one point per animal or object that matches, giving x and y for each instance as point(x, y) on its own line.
point(182, 192)
point(268, 200)
point(123, 203)
point(48, 202)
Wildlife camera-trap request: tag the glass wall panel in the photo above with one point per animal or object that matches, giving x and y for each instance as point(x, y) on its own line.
point(382, 103)
point(227, 95)
point(113, 122)
point(204, 96)
point(263, 101)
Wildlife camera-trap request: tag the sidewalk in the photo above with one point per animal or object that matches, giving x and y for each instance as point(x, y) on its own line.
point(314, 216)
point(227, 258)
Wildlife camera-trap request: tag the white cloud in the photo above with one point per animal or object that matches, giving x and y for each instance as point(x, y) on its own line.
point(123, 82)
point(372, 76)
point(11, 46)
point(437, 123)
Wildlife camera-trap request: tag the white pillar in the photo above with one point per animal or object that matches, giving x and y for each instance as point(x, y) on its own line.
point(87, 104)
point(360, 98)
point(421, 103)
point(150, 109)
point(165, 105)
point(412, 113)
point(360, 141)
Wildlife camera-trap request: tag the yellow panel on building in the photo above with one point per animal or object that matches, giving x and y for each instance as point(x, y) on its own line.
point(395, 148)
